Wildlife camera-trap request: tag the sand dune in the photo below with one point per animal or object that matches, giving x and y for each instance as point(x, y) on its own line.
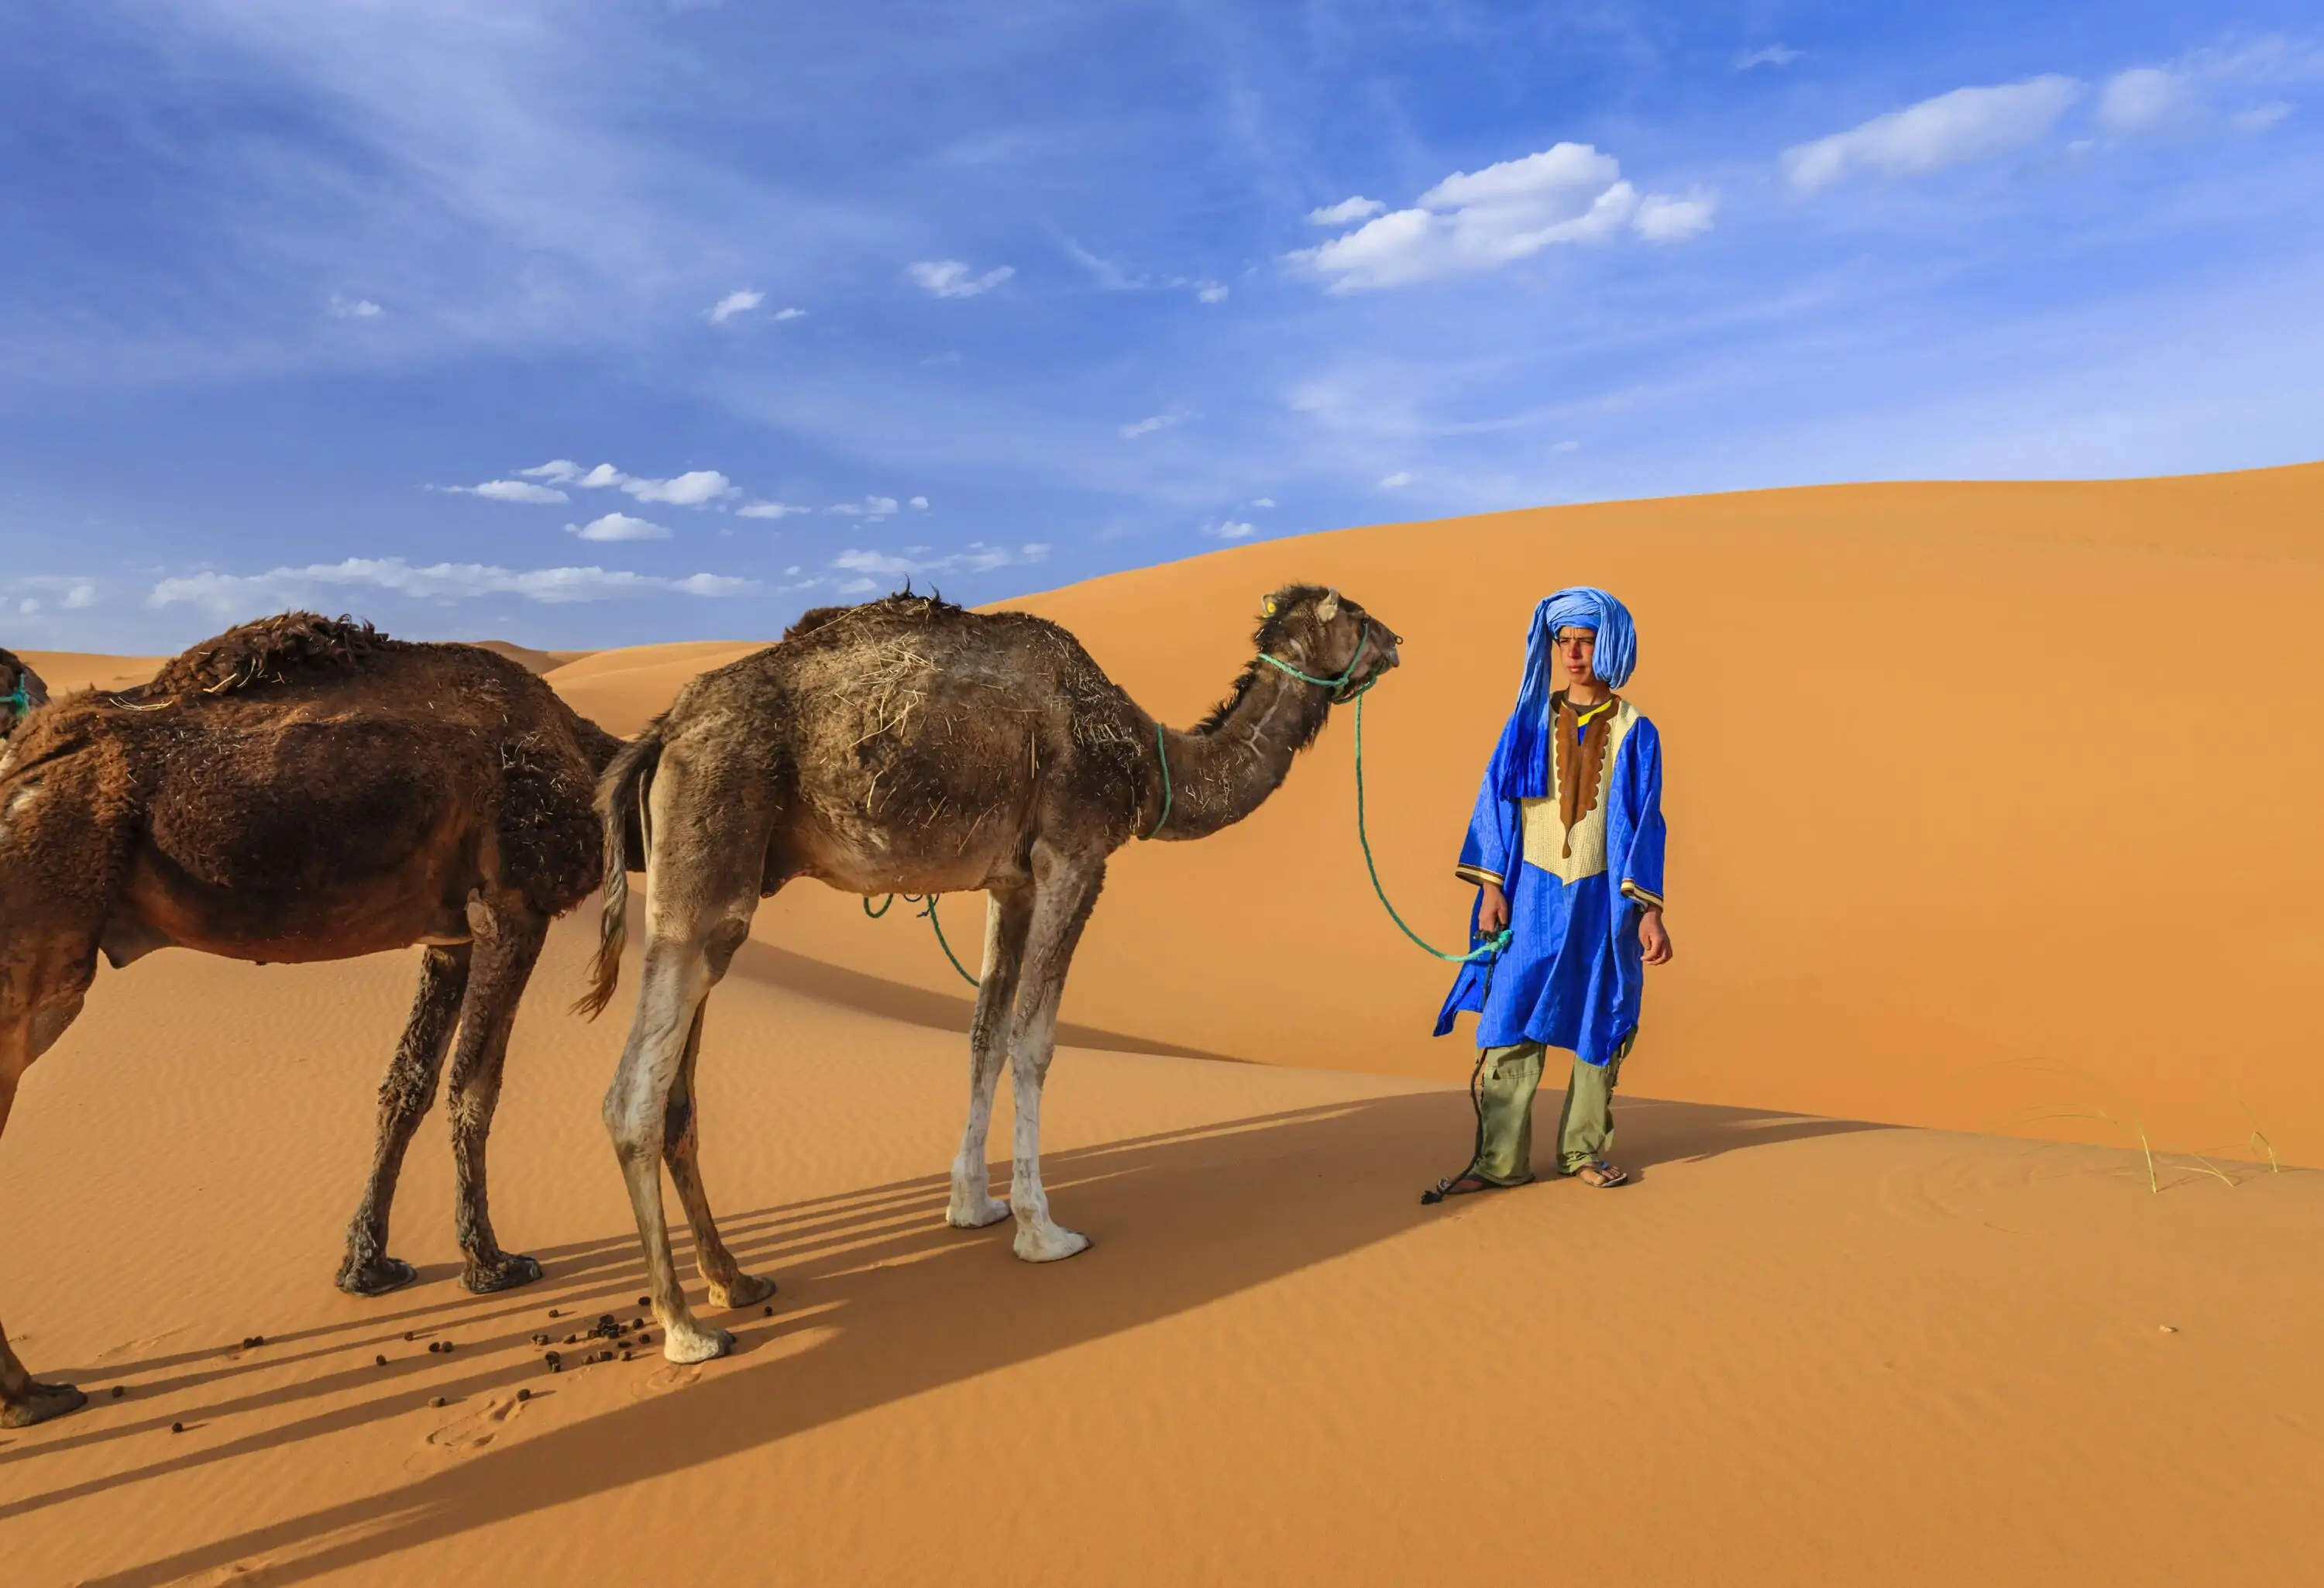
point(2037, 789)
point(1992, 805)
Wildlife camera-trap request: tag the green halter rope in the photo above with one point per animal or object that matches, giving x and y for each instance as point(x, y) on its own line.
point(1337, 685)
point(1485, 951)
point(20, 700)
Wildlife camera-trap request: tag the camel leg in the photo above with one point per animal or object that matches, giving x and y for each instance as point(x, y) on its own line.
point(505, 942)
point(681, 1139)
point(30, 1024)
point(1006, 919)
point(405, 1097)
point(702, 887)
point(1063, 899)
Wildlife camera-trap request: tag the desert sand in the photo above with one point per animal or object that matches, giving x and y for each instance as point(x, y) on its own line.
point(1994, 844)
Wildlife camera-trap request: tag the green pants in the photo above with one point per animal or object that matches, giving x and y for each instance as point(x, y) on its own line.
point(1507, 1079)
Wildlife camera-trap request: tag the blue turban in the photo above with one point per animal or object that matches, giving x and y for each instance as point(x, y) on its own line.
point(1524, 750)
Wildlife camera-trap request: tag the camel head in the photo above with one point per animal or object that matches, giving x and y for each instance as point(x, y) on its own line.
point(1326, 634)
point(20, 692)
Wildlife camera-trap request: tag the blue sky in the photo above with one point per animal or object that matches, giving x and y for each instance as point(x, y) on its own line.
point(597, 323)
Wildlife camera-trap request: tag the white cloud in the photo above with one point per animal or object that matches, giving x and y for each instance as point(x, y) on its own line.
point(509, 490)
point(70, 592)
point(976, 558)
point(618, 526)
point(1230, 529)
point(790, 314)
point(691, 489)
point(1479, 220)
point(1262, 502)
point(1211, 292)
point(857, 587)
point(1399, 480)
point(696, 488)
point(361, 309)
point(2181, 97)
point(921, 502)
point(1661, 218)
point(1966, 124)
point(2144, 98)
point(231, 596)
point(1151, 423)
point(740, 301)
point(949, 278)
point(1346, 212)
point(1776, 55)
point(768, 509)
point(870, 507)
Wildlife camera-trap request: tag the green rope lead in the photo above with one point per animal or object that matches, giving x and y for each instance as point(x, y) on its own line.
point(931, 913)
point(1485, 951)
point(1163, 756)
point(928, 901)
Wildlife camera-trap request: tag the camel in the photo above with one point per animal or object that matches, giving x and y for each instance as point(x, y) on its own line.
point(303, 788)
point(24, 691)
point(908, 745)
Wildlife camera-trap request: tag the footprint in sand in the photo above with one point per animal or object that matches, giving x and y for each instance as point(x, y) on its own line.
point(664, 1378)
point(113, 1352)
point(472, 1432)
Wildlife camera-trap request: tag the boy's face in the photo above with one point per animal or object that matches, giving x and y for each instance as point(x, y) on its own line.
point(1577, 650)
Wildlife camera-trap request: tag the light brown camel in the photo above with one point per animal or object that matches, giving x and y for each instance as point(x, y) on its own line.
point(298, 789)
point(910, 746)
point(21, 690)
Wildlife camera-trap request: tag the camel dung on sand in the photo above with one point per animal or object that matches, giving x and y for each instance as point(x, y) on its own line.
point(21, 691)
point(305, 789)
point(908, 745)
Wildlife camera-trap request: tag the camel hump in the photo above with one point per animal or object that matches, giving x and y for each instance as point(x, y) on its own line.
point(270, 651)
point(904, 607)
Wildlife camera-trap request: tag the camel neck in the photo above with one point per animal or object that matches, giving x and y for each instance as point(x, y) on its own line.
point(1225, 770)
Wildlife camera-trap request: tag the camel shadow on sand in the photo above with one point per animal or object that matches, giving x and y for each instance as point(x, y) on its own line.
point(880, 1301)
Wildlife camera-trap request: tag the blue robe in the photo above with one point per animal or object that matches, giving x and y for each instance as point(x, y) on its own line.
point(1573, 972)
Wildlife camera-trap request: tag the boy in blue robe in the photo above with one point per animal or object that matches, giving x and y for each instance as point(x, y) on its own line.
point(1565, 848)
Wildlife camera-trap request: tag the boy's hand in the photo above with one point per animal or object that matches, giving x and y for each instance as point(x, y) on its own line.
point(1653, 938)
point(1493, 912)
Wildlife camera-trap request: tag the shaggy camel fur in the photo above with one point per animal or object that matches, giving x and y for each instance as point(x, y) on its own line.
point(909, 746)
point(21, 690)
point(298, 789)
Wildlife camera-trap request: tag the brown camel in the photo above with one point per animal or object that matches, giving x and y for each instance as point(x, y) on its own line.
point(21, 690)
point(910, 746)
point(296, 789)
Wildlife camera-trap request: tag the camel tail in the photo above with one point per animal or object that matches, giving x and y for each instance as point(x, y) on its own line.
point(621, 795)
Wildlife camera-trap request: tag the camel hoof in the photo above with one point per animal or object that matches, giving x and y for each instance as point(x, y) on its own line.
point(513, 1269)
point(747, 1290)
point(976, 1217)
point(695, 1343)
point(1053, 1244)
point(41, 1402)
point(377, 1276)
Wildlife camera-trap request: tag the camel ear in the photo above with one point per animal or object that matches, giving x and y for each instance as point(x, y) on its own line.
point(1329, 608)
point(1269, 605)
